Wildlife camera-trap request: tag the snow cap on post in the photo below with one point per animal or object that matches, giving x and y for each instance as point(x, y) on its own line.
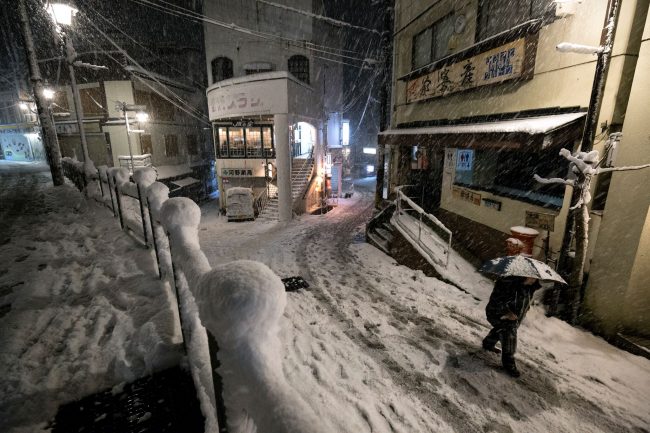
point(240, 301)
point(180, 212)
point(157, 193)
point(89, 168)
point(121, 175)
point(144, 176)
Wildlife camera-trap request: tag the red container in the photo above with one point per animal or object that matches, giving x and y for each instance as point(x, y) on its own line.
point(527, 236)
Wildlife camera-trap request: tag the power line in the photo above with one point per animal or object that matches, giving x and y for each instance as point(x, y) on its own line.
point(151, 77)
point(199, 86)
point(319, 17)
point(179, 11)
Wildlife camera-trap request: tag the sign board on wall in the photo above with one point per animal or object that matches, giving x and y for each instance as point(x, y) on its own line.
point(450, 160)
point(466, 195)
point(464, 160)
point(491, 67)
point(244, 99)
point(543, 221)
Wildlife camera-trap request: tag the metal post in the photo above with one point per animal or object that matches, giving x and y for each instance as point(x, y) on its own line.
point(71, 55)
point(178, 296)
point(110, 193)
point(144, 222)
point(119, 205)
point(101, 186)
point(217, 382)
point(49, 133)
point(153, 237)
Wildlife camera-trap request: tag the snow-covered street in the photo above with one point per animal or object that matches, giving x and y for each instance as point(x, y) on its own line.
point(371, 346)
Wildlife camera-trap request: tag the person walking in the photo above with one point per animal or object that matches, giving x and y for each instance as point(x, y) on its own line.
point(506, 309)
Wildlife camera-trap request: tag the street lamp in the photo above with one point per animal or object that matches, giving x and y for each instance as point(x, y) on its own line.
point(62, 15)
point(141, 116)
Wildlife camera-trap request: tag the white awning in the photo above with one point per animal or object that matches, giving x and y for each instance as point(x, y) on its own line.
point(528, 125)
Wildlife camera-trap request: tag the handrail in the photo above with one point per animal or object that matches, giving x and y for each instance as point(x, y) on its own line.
point(423, 216)
point(261, 201)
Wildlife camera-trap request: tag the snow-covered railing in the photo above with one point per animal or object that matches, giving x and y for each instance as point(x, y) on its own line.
point(240, 304)
point(422, 228)
point(230, 314)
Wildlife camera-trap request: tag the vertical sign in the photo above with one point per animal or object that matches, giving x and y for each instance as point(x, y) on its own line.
point(464, 159)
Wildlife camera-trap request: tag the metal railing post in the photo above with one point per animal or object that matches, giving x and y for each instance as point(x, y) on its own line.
point(178, 295)
point(144, 221)
point(101, 187)
point(119, 204)
point(153, 237)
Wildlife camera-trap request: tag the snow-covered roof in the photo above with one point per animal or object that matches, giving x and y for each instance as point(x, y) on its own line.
point(167, 171)
point(185, 181)
point(528, 125)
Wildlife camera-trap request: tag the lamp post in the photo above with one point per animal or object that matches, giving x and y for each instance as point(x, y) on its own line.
point(49, 134)
point(140, 116)
point(62, 15)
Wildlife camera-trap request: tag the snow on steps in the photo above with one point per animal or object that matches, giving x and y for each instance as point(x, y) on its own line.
point(301, 170)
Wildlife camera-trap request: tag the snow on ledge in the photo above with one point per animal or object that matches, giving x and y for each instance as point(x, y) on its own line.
point(529, 125)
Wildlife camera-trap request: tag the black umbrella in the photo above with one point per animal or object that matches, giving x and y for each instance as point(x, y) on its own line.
point(521, 266)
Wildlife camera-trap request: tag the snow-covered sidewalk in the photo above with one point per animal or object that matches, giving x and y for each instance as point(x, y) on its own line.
point(81, 306)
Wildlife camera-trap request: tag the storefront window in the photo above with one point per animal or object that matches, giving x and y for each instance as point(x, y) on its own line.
point(510, 174)
point(236, 142)
point(223, 142)
point(253, 142)
point(267, 142)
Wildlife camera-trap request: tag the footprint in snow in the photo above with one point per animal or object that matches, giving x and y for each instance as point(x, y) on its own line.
point(21, 258)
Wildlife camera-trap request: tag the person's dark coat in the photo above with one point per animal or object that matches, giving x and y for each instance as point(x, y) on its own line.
point(510, 295)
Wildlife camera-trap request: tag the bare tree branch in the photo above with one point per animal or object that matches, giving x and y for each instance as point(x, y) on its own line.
point(553, 180)
point(633, 167)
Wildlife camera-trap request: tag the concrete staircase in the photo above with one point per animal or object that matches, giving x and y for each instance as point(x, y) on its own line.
point(301, 170)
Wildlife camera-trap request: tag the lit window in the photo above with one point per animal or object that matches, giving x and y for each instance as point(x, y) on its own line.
point(370, 150)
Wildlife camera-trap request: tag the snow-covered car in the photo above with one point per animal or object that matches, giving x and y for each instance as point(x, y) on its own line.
point(239, 204)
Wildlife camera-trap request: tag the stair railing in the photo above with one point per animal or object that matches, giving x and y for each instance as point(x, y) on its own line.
point(428, 226)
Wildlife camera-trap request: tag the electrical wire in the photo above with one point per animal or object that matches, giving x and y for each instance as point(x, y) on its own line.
point(144, 71)
point(179, 11)
point(198, 86)
point(168, 99)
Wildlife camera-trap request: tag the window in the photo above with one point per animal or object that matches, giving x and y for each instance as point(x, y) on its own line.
point(236, 142)
point(222, 137)
point(253, 142)
point(221, 69)
point(158, 107)
point(192, 145)
point(299, 67)
point(145, 144)
point(90, 101)
point(171, 145)
point(496, 16)
point(432, 43)
point(267, 142)
point(510, 174)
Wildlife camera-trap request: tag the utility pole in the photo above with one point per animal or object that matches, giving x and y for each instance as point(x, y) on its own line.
point(576, 227)
point(78, 108)
point(49, 133)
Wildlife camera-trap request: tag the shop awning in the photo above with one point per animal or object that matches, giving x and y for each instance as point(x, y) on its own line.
point(529, 125)
point(511, 133)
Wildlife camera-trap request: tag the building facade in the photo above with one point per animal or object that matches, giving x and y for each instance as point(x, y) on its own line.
point(274, 101)
point(482, 100)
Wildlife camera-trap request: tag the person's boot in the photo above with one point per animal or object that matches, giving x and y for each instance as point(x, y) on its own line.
point(490, 341)
point(511, 368)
